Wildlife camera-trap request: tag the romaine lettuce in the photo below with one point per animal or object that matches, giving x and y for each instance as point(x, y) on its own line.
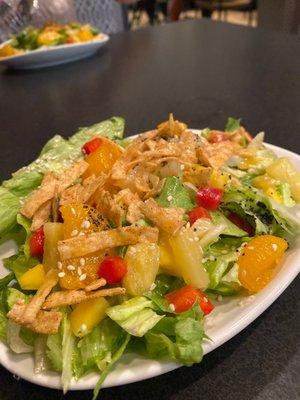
point(174, 194)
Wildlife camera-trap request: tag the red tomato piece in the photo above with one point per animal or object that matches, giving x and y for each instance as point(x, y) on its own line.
point(217, 137)
point(36, 242)
point(184, 298)
point(112, 269)
point(209, 197)
point(241, 223)
point(197, 213)
point(91, 146)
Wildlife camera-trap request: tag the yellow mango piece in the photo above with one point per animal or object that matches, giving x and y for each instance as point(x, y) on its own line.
point(33, 278)
point(48, 37)
point(87, 315)
point(166, 257)
point(142, 262)
point(218, 179)
point(188, 255)
point(85, 34)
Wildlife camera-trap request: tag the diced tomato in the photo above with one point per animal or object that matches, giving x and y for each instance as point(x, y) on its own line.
point(91, 146)
point(209, 197)
point(184, 298)
point(69, 39)
point(112, 269)
point(241, 223)
point(36, 242)
point(197, 213)
point(217, 137)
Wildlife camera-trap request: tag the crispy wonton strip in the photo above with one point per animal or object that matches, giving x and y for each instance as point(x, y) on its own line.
point(36, 302)
point(41, 216)
point(46, 322)
point(40, 196)
point(82, 245)
point(69, 176)
point(169, 220)
point(95, 285)
point(68, 297)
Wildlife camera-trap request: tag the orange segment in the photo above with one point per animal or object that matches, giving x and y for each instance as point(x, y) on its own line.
point(103, 158)
point(258, 260)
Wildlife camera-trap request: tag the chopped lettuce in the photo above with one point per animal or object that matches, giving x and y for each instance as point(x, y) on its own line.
point(6, 280)
point(19, 264)
point(179, 338)
point(112, 128)
point(135, 316)
point(9, 207)
point(121, 347)
point(68, 344)
point(253, 206)
point(284, 190)
point(54, 351)
point(232, 124)
point(13, 295)
point(25, 223)
point(24, 182)
point(231, 229)
point(174, 194)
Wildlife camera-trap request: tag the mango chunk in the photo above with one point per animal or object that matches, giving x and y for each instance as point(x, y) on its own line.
point(33, 278)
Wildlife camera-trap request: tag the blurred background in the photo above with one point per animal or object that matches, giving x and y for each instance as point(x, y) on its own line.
point(112, 16)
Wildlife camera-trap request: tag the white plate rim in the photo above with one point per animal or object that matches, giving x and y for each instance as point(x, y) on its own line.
point(155, 368)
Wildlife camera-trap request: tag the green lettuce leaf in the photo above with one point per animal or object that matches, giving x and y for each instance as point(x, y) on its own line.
point(13, 295)
point(19, 264)
point(284, 190)
point(9, 207)
point(23, 183)
point(54, 351)
point(135, 316)
point(231, 229)
point(122, 344)
point(25, 223)
point(232, 124)
point(174, 194)
point(112, 128)
point(68, 345)
point(179, 338)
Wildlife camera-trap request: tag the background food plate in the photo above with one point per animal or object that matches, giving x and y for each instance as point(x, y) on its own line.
point(229, 318)
point(49, 56)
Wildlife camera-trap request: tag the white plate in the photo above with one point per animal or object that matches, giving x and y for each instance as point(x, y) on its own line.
point(49, 56)
point(228, 318)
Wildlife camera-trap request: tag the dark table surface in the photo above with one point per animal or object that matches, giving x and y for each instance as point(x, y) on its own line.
point(203, 72)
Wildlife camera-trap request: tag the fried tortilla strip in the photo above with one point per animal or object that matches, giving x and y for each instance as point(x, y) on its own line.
point(82, 193)
point(40, 196)
point(169, 220)
point(69, 297)
point(82, 245)
point(71, 174)
point(95, 285)
point(41, 216)
point(46, 322)
point(36, 302)
point(216, 154)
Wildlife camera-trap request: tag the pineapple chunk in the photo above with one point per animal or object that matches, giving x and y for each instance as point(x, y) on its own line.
point(87, 315)
point(33, 278)
point(188, 255)
point(283, 170)
point(142, 266)
point(53, 233)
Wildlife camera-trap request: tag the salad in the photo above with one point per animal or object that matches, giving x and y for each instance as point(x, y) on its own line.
point(49, 35)
point(125, 244)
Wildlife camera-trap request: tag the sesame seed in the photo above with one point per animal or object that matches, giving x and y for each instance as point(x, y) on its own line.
point(61, 274)
point(82, 277)
point(153, 286)
point(82, 261)
point(74, 232)
point(70, 267)
point(79, 271)
point(196, 239)
point(274, 246)
point(219, 297)
point(83, 328)
point(73, 211)
point(212, 258)
point(172, 307)
point(85, 224)
point(59, 265)
point(182, 167)
point(224, 252)
point(190, 239)
point(81, 234)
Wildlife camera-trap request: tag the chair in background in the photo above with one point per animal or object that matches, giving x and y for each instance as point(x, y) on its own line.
point(223, 6)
